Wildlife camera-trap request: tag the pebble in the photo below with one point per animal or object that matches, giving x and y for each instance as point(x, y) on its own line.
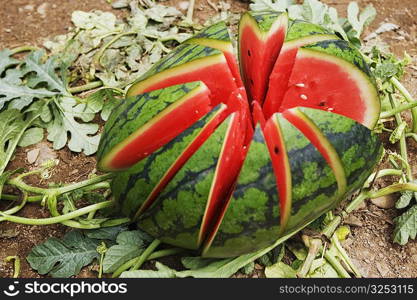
point(385, 201)
point(32, 155)
point(42, 9)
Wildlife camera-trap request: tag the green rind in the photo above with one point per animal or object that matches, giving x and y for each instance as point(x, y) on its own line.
point(314, 186)
point(182, 54)
point(134, 112)
point(343, 50)
point(132, 187)
point(217, 31)
point(251, 221)
point(176, 216)
point(299, 29)
point(264, 19)
point(358, 147)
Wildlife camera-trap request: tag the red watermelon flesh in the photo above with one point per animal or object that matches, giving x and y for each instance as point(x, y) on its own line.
point(217, 77)
point(280, 164)
point(171, 123)
point(257, 58)
point(280, 75)
point(322, 83)
point(228, 167)
point(182, 159)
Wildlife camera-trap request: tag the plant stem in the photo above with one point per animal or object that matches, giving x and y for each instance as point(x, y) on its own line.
point(23, 49)
point(314, 246)
point(85, 87)
point(155, 255)
point(397, 84)
point(58, 219)
point(190, 12)
point(16, 267)
point(17, 207)
point(30, 199)
point(398, 109)
point(148, 251)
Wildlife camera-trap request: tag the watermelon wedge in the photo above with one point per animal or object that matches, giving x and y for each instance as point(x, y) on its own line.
point(217, 37)
point(299, 34)
point(261, 35)
point(186, 64)
point(147, 178)
point(332, 75)
point(134, 129)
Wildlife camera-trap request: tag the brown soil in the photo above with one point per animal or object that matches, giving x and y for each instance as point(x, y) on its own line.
point(370, 243)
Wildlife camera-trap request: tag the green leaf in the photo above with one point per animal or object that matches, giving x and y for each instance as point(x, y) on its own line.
point(162, 272)
point(12, 126)
point(83, 136)
point(6, 60)
point(405, 198)
point(130, 244)
point(280, 270)
point(398, 132)
point(249, 268)
point(63, 258)
point(31, 136)
point(106, 233)
point(194, 263)
point(24, 95)
point(314, 11)
point(275, 5)
point(360, 21)
point(44, 72)
point(320, 268)
point(406, 226)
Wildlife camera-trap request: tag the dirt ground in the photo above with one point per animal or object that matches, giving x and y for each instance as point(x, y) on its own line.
point(370, 243)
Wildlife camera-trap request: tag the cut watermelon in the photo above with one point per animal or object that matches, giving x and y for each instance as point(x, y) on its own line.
point(217, 36)
point(331, 75)
point(280, 162)
point(189, 63)
point(278, 81)
point(261, 35)
point(154, 119)
point(204, 134)
point(317, 138)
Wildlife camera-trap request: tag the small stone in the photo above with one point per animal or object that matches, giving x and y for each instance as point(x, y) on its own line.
point(382, 269)
point(183, 5)
point(353, 221)
point(384, 201)
point(8, 30)
point(32, 155)
point(42, 9)
point(28, 7)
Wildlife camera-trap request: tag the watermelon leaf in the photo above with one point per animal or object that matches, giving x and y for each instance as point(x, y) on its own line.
point(63, 258)
point(162, 272)
point(83, 136)
point(130, 244)
point(6, 60)
point(359, 21)
point(31, 136)
point(280, 270)
point(275, 5)
point(406, 226)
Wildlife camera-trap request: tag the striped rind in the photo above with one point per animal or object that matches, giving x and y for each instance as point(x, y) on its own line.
point(182, 59)
point(133, 187)
point(251, 221)
point(136, 114)
point(299, 29)
point(358, 147)
point(175, 217)
point(314, 187)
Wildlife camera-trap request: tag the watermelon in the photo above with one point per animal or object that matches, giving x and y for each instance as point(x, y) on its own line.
point(299, 34)
point(261, 35)
point(206, 161)
point(324, 64)
point(217, 36)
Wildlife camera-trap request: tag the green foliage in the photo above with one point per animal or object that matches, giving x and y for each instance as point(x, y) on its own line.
point(406, 226)
point(63, 258)
point(130, 244)
point(280, 270)
point(319, 13)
